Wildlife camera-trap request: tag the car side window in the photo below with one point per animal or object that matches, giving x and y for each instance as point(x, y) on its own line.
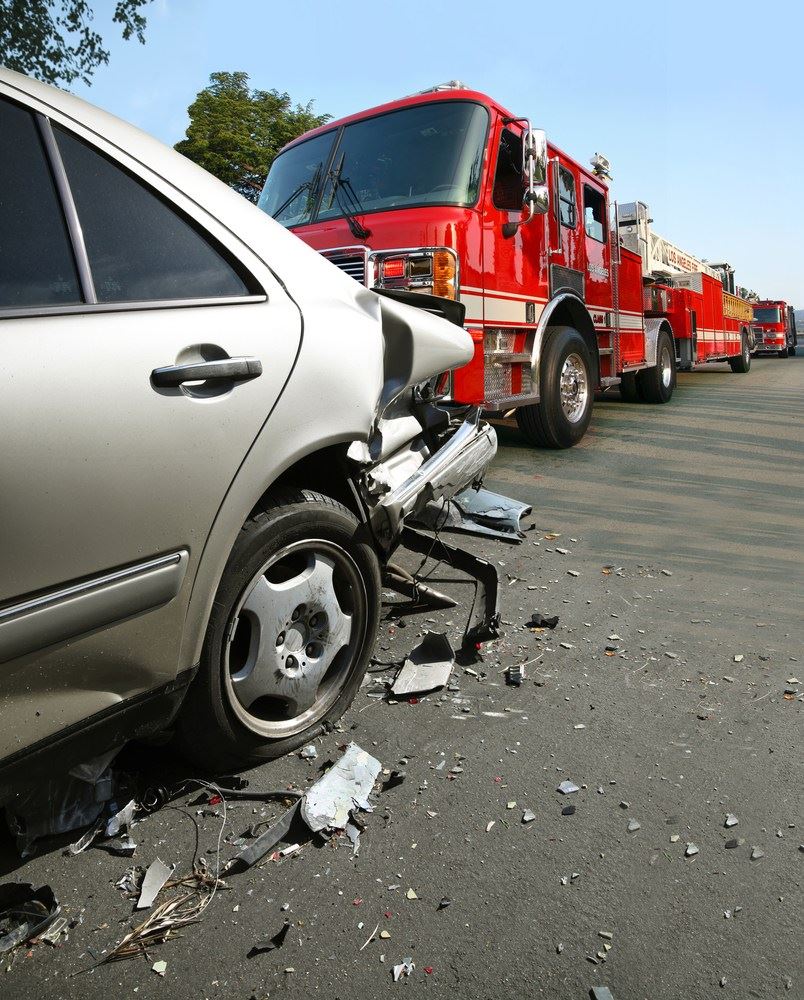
point(37, 267)
point(139, 248)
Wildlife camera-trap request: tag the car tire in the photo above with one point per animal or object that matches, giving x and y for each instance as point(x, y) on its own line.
point(742, 363)
point(629, 388)
point(300, 568)
point(561, 417)
point(655, 384)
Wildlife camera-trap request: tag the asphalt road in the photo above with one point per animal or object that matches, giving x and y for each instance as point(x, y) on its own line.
point(697, 507)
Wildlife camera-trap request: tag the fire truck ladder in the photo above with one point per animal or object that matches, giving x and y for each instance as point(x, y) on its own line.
point(610, 354)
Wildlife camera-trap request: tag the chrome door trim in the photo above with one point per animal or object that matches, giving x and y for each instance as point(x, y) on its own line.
point(83, 607)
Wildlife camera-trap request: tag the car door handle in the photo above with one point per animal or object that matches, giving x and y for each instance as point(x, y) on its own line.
point(226, 370)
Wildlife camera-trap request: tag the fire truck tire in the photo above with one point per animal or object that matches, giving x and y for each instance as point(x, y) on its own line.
point(566, 390)
point(791, 351)
point(655, 384)
point(742, 363)
point(784, 353)
point(629, 388)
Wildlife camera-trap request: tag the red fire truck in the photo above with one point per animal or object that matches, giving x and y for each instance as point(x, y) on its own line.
point(776, 334)
point(446, 192)
point(710, 321)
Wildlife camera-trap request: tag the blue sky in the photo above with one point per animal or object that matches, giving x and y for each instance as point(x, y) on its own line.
point(699, 109)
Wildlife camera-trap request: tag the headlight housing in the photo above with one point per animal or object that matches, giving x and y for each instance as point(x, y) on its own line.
point(433, 270)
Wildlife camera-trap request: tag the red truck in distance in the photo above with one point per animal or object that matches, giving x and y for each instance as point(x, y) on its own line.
point(775, 328)
point(447, 192)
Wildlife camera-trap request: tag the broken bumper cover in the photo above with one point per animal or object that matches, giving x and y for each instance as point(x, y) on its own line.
point(459, 463)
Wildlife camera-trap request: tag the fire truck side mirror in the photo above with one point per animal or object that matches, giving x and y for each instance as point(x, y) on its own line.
point(534, 169)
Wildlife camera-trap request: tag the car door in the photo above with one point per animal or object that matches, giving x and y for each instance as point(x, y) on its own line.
point(112, 474)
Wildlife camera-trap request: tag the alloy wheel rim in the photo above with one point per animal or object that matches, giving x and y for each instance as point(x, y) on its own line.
point(574, 386)
point(667, 367)
point(293, 638)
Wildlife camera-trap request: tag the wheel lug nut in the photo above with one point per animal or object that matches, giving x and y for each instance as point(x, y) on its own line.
point(280, 639)
point(291, 662)
point(310, 650)
point(297, 613)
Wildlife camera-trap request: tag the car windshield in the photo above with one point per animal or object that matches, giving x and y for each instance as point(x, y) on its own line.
point(767, 315)
point(423, 155)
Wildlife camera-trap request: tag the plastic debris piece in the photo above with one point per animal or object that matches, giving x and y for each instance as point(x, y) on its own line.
point(489, 825)
point(371, 937)
point(538, 620)
point(510, 805)
point(427, 667)
point(260, 947)
point(731, 820)
point(634, 825)
point(155, 877)
point(606, 935)
point(310, 752)
point(353, 833)
point(385, 935)
point(160, 967)
point(121, 820)
point(602, 993)
point(55, 933)
point(328, 804)
point(25, 913)
point(573, 572)
point(690, 850)
point(568, 787)
point(477, 512)
point(405, 968)
point(515, 675)
point(738, 657)
point(411, 894)
point(528, 816)
point(757, 853)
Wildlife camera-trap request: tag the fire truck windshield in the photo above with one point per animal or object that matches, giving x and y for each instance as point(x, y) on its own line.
point(428, 154)
point(767, 315)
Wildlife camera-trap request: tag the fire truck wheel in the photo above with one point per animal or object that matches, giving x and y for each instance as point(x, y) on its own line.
point(791, 351)
point(656, 384)
point(562, 415)
point(742, 363)
point(783, 353)
point(629, 389)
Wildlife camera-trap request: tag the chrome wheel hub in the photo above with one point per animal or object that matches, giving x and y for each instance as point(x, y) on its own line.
point(574, 388)
point(666, 364)
point(294, 637)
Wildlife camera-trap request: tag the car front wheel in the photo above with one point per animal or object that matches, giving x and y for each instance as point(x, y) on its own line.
point(290, 634)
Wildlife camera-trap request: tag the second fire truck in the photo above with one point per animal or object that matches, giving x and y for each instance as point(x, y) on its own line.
point(775, 324)
point(448, 193)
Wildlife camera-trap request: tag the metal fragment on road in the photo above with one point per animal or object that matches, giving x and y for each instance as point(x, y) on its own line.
point(477, 512)
point(154, 879)
point(405, 967)
point(427, 667)
point(568, 787)
point(346, 785)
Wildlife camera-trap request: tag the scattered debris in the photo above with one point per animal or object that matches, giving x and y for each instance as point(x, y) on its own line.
point(602, 993)
point(538, 620)
point(427, 667)
point(310, 752)
point(690, 850)
point(276, 942)
point(731, 820)
point(160, 967)
point(528, 816)
point(757, 853)
point(405, 968)
point(568, 787)
point(445, 902)
point(738, 657)
point(634, 825)
point(515, 675)
point(25, 913)
point(477, 512)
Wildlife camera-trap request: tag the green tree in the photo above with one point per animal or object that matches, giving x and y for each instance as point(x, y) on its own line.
point(236, 132)
point(54, 40)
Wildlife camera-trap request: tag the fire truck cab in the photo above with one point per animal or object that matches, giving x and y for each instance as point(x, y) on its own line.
point(447, 193)
point(776, 328)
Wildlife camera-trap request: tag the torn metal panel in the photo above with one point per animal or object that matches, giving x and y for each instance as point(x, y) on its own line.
point(427, 667)
point(328, 803)
point(265, 842)
point(477, 512)
point(155, 877)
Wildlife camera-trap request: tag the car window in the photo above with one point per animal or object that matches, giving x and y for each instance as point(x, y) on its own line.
point(139, 248)
point(37, 267)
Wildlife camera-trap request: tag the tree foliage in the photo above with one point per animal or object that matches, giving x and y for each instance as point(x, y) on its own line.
point(54, 40)
point(236, 132)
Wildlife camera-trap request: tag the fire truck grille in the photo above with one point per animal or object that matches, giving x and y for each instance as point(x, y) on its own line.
point(350, 262)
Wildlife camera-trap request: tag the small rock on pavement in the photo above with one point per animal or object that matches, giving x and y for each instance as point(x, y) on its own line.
point(160, 967)
point(738, 657)
point(757, 853)
point(667, 572)
point(633, 825)
point(731, 820)
point(528, 816)
point(567, 787)
point(573, 572)
point(691, 850)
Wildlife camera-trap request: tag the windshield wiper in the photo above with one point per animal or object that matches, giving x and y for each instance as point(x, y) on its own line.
point(343, 184)
point(311, 185)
